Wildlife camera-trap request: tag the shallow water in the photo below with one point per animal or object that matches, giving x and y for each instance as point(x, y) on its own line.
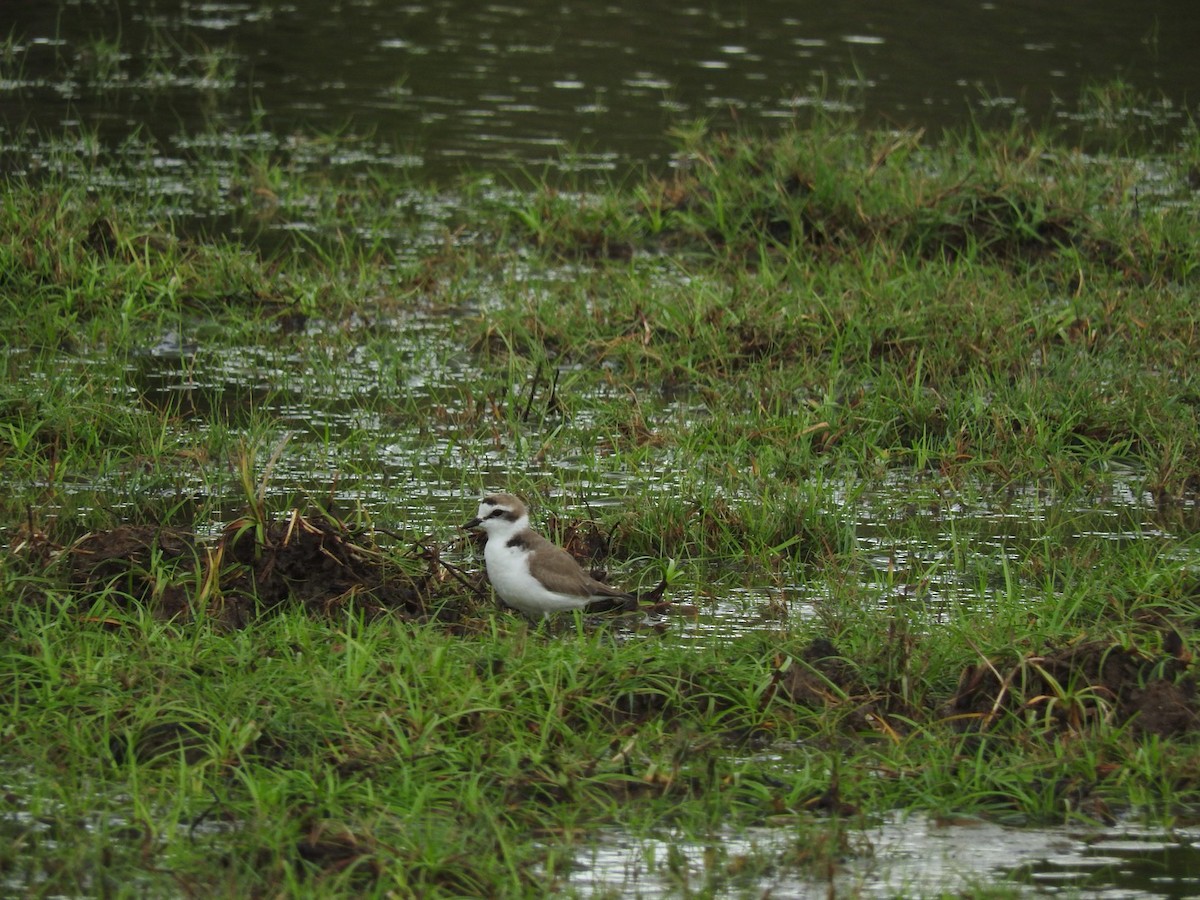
point(902, 856)
point(33, 835)
point(439, 85)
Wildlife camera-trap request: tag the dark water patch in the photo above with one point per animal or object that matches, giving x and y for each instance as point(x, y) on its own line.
point(579, 87)
point(1135, 863)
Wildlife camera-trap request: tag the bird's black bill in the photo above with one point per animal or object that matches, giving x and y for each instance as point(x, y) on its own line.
point(472, 524)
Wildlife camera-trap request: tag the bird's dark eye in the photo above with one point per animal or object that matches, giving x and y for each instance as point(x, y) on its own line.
point(494, 513)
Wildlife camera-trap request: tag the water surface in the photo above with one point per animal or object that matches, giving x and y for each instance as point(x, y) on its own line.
point(445, 84)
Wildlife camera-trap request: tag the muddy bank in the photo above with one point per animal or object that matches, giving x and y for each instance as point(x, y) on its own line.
point(315, 562)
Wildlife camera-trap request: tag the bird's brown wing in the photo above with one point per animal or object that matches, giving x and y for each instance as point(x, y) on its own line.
point(559, 572)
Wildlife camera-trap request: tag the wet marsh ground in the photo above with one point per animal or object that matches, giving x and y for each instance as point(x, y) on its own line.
point(908, 423)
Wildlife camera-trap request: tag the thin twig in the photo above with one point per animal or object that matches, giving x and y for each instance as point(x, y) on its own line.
point(537, 377)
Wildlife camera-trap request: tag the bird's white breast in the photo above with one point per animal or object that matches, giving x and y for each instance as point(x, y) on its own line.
point(508, 570)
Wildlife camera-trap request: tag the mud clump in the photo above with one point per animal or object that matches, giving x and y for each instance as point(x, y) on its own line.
point(318, 563)
point(1069, 687)
point(823, 679)
point(132, 561)
point(1059, 691)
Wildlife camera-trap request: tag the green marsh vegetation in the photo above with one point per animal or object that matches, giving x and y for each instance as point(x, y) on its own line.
point(906, 393)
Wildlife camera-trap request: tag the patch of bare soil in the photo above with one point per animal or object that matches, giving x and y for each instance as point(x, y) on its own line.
point(1069, 687)
point(315, 562)
point(1060, 691)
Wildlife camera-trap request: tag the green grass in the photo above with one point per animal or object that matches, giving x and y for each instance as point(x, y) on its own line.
point(891, 386)
point(340, 756)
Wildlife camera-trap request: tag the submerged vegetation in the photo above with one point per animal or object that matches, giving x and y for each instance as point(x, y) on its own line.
point(892, 387)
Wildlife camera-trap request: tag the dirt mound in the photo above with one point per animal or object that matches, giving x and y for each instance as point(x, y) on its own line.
point(1067, 688)
point(1059, 691)
point(317, 562)
point(135, 562)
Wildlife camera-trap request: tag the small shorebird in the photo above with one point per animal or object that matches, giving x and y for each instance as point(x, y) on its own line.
point(534, 576)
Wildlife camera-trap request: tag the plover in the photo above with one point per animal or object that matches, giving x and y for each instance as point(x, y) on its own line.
point(532, 575)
